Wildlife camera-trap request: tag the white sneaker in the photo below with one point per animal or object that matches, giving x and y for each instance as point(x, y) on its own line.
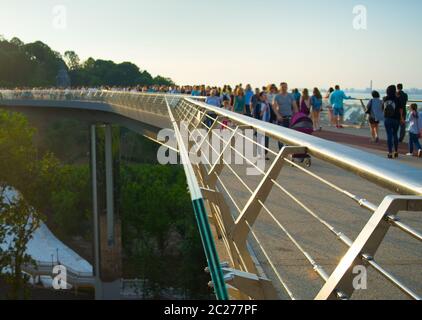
point(420, 153)
point(409, 154)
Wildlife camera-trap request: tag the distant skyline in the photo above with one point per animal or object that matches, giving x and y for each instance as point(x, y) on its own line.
point(307, 43)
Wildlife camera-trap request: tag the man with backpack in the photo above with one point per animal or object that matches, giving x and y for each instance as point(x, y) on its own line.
point(393, 115)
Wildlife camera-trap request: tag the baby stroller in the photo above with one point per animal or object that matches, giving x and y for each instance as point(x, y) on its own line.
point(302, 123)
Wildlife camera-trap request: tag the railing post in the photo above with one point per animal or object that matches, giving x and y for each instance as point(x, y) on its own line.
point(363, 250)
point(253, 207)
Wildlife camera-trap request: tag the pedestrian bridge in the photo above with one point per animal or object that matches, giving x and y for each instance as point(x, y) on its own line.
point(346, 228)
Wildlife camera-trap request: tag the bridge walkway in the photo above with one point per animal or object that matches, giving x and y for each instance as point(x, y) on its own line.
point(399, 253)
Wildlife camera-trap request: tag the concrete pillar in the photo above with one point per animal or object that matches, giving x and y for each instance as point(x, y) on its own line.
point(93, 140)
point(105, 156)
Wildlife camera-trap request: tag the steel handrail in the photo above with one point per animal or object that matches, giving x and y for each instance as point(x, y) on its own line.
point(201, 216)
point(397, 177)
point(385, 173)
point(189, 110)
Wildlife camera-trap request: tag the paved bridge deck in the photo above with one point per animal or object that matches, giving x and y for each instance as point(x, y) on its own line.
point(399, 253)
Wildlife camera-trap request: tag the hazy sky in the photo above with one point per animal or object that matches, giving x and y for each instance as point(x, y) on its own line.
point(304, 42)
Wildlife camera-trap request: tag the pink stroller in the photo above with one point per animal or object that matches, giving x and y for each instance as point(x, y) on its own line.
point(302, 123)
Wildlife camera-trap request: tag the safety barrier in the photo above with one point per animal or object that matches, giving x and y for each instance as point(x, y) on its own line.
point(235, 269)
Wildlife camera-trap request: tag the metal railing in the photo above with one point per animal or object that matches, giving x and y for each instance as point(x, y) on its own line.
point(235, 221)
point(200, 212)
point(234, 214)
point(354, 108)
point(355, 111)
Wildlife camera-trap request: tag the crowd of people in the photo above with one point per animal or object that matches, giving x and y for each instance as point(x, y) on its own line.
point(270, 104)
point(392, 110)
point(278, 106)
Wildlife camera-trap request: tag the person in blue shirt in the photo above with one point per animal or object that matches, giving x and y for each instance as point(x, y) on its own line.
point(196, 92)
point(213, 100)
point(316, 103)
point(337, 102)
point(296, 94)
point(248, 100)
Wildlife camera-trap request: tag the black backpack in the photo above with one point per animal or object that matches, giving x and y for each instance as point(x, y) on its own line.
point(389, 108)
point(273, 114)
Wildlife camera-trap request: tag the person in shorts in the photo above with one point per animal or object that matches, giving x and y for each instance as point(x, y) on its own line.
point(337, 101)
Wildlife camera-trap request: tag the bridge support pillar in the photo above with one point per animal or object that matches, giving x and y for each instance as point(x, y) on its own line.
point(107, 226)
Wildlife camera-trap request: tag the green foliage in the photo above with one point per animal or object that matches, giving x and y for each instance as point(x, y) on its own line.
point(159, 80)
point(17, 152)
point(45, 185)
point(160, 233)
point(136, 148)
point(149, 200)
point(72, 60)
point(37, 65)
point(70, 203)
point(63, 192)
point(33, 64)
point(107, 73)
point(18, 222)
point(67, 139)
point(50, 186)
point(160, 236)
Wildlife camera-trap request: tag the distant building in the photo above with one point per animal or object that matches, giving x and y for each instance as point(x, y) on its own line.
point(370, 89)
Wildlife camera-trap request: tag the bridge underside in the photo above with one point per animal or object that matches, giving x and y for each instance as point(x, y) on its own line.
point(145, 123)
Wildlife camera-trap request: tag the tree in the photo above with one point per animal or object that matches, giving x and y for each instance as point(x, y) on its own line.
point(162, 81)
point(70, 201)
point(65, 137)
point(159, 229)
point(37, 65)
point(72, 60)
point(18, 222)
point(146, 79)
point(33, 64)
point(17, 42)
point(17, 152)
point(16, 67)
point(48, 62)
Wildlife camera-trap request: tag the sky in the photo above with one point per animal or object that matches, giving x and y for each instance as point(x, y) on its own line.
point(304, 42)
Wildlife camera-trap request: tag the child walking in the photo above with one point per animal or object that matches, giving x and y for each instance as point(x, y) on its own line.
point(415, 130)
